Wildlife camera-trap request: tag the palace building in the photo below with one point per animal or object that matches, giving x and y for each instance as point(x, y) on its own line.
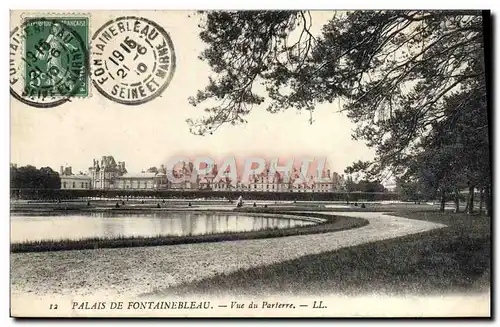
point(73, 182)
point(110, 174)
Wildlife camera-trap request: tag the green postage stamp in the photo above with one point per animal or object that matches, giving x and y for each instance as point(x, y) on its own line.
point(53, 57)
point(56, 52)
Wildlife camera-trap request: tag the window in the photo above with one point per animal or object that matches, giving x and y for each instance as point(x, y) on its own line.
point(64, 184)
point(74, 185)
point(81, 184)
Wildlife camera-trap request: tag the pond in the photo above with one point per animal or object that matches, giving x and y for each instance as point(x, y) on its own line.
point(111, 225)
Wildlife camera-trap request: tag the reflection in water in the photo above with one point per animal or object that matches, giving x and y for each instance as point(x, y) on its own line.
point(33, 228)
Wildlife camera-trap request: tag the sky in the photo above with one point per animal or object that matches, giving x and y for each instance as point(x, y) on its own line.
point(149, 134)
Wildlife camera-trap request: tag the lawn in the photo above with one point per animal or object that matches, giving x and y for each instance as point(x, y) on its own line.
point(452, 259)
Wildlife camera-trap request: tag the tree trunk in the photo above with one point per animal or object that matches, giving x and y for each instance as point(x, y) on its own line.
point(443, 201)
point(481, 200)
point(487, 198)
point(457, 200)
point(471, 200)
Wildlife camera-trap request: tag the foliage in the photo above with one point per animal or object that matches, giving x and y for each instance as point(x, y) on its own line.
point(32, 178)
point(413, 82)
point(368, 186)
point(456, 152)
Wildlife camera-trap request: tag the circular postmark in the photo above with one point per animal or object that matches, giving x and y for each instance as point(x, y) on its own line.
point(48, 62)
point(133, 60)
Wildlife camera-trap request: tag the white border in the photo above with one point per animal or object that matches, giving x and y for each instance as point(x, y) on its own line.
point(189, 4)
point(258, 4)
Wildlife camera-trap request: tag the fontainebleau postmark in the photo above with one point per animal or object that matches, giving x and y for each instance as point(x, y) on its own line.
point(133, 60)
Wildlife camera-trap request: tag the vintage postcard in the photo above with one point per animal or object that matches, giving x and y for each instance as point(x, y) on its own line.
point(250, 163)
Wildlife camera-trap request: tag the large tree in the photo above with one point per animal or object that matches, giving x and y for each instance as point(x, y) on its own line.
point(454, 154)
point(380, 62)
point(398, 75)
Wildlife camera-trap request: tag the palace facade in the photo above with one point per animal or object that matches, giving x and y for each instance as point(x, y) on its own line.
point(74, 182)
point(110, 174)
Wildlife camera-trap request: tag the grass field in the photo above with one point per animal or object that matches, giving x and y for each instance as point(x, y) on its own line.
point(452, 259)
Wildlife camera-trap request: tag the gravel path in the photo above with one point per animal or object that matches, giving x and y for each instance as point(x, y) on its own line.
point(135, 271)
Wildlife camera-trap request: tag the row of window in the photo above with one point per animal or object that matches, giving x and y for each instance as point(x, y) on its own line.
point(273, 186)
point(134, 184)
point(146, 185)
point(84, 185)
point(320, 187)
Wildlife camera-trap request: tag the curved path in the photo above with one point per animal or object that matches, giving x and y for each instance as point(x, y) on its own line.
point(136, 271)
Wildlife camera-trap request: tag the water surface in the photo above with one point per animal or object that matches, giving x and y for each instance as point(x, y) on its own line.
point(85, 225)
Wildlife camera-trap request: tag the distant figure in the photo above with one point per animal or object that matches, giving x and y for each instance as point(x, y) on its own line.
point(254, 204)
point(294, 201)
point(163, 200)
point(158, 205)
point(123, 202)
point(265, 205)
point(142, 201)
point(117, 205)
point(355, 204)
point(58, 200)
point(189, 204)
point(88, 203)
point(240, 202)
point(363, 205)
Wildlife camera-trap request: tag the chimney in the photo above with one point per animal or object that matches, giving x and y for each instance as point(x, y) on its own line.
point(61, 171)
